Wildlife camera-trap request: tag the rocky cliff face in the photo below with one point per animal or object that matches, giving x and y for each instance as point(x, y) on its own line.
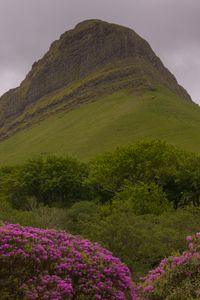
point(94, 58)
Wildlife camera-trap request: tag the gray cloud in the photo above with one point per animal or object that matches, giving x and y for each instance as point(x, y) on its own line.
point(170, 26)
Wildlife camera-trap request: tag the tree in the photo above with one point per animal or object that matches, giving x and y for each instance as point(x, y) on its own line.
point(51, 181)
point(147, 162)
point(142, 199)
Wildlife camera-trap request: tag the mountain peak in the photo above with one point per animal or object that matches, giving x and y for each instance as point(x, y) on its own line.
point(89, 22)
point(93, 59)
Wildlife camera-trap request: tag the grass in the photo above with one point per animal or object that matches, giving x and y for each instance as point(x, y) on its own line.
point(121, 118)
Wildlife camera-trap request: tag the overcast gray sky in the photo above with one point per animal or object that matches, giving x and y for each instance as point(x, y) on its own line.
point(172, 27)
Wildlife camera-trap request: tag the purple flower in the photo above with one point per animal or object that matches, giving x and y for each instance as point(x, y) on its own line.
point(148, 288)
point(189, 238)
point(176, 267)
point(190, 246)
point(62, 266)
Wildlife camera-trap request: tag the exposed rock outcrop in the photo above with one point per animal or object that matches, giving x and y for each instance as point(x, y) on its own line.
point(94, 58)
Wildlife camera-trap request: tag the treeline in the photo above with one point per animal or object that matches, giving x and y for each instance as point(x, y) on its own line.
point(147, 177)
point(139, 201)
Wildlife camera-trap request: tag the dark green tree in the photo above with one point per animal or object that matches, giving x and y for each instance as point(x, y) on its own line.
point(52, 181)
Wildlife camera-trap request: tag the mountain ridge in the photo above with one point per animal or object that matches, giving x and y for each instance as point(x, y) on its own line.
point(95, 58)
point(98, 87)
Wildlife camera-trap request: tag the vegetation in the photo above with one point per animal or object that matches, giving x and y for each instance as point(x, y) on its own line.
point(52, 181)
point(174, 171)
point(45, 264)
point(176, 277)
point(152, 170)
point(101, 59)
point(138, 201)
point(142, 199)
point(139, 241)
point(117, 119)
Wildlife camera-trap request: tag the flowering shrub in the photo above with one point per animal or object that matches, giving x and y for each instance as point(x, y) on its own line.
point(49, 264)
point(177, 277)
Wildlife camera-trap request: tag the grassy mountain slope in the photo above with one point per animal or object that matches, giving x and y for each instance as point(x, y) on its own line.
point(94, 59)
point(120, 118)
point(99, 86)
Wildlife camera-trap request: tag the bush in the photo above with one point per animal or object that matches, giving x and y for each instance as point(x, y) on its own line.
point(141, 199)
point(177, 172)
point(52, 181)
point(146, 162)
point(48, 264)
point(139, 241)
point(81, 215)
point(177, 277)
point(42, 216)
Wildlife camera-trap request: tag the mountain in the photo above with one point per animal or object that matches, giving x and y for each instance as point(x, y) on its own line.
point(98, 86)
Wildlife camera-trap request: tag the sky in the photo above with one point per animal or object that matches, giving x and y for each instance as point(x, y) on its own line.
point(172, 27)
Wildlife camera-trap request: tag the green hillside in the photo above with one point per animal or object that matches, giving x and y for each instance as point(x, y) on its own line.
point(87, 63)
point(100, 85)
point(120, 118)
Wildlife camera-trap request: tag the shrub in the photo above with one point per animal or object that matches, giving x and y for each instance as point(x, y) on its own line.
point(175, 171)
point(139, 241)
point(42, 216)
point(177, 277)
point(52, 181)
point(48, 264)
point(80, 217)
point(142, 199)
point(153, 161)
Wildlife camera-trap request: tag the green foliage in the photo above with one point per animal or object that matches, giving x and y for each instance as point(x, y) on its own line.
point(150, 173)
point(42, 216)
point(117, 119)
point(122, 200)
point(142, 199)
point(51, 181)
point(81, 215)
point(140, 162)
point(140, 241)
point(148, 162)
point(176, 278)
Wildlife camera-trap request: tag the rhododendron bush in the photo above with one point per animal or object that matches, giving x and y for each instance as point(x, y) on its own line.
point(177, 277)
point(49, 264)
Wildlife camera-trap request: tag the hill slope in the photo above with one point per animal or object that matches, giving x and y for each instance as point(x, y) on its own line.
point(113, 120)
point(99, 86)
point(91, 60)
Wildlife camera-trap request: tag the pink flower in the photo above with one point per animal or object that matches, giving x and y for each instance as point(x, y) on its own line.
point(198, 292)
point(76, 266)
point(198, 234)
point(189, 238)
point(190, 246)
point(148, 288)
